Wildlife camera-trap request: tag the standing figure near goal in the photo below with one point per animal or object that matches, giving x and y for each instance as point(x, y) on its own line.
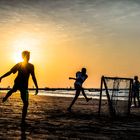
point(24, 69)
point(135, 91)
point(79, 80)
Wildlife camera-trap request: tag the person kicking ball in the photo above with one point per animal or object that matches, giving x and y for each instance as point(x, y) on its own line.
point(79, 80)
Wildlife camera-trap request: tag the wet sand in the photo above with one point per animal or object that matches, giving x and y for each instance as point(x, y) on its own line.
point(48, 120)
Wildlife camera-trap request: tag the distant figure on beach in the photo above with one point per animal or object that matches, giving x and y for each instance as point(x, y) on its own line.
point(24, 69)
point(135, 91)
point(79, 80)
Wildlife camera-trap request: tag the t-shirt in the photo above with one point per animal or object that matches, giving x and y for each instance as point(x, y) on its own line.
point(80, 78)
point(24, 71)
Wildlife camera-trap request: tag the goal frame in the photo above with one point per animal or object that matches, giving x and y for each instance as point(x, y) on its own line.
point(103, 86)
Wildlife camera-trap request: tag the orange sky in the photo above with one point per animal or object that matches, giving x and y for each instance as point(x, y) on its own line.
point(65, 36)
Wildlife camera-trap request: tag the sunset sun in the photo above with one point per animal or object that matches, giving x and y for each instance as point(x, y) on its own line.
point(22, 43)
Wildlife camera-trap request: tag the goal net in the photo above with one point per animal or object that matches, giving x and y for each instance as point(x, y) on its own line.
point(117, 91)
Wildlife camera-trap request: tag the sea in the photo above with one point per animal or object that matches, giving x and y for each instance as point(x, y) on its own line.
point(69, 93)
point(119, 95)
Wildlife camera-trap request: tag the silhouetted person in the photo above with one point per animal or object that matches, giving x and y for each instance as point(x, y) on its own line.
point(24, 69)
point(79, 80)
point(135, 90)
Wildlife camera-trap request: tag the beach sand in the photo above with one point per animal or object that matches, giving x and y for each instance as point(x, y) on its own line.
point(48, 119)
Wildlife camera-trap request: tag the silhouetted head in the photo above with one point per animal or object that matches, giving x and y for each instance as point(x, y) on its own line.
point(83, 70)
point(136, 78)
point(26, 55)
point(78, 73)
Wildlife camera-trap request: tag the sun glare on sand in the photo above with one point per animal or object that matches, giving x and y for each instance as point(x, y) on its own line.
point(22, 43)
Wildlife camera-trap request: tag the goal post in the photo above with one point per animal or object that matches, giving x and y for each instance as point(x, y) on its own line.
point(117, 91)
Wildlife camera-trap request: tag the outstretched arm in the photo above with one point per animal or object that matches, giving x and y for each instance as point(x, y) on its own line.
point(71, 78)
point(35, 81)
point(5, 75)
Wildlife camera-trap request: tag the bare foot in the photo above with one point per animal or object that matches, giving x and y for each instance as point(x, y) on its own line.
point(4, 99)
point(69, 109)
point(89, 99)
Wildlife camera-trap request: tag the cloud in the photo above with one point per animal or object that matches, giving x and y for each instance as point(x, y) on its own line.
point(79, 18)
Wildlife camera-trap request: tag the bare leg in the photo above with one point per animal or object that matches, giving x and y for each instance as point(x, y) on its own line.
point(138, 100)
point(24, 111)
point(135, 101)
point(83, 92)
point(24, 97)
point(9, 93)
point(75, 98)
